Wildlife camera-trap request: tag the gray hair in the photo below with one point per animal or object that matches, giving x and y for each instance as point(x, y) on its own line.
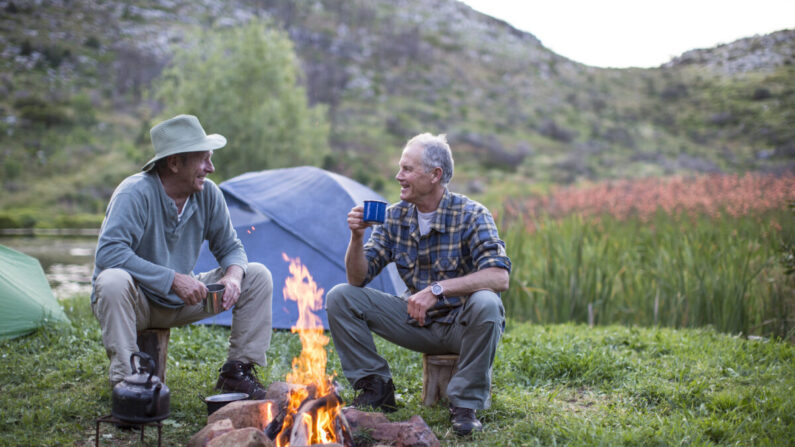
point(436, 154)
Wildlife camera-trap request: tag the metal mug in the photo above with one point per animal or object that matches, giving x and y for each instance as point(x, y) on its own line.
point(213, 302)
point(374, 211)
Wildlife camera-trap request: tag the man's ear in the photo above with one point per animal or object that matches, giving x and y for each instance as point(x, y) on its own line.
point(172, 162)
point(437, 174)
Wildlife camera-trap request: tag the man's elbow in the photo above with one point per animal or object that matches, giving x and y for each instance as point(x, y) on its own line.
point(355, 280)
point(103, 259)
point(503, 280)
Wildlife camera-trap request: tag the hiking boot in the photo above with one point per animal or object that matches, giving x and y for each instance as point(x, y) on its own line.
point(376, 392)
point(239, 377)
point(464, 421)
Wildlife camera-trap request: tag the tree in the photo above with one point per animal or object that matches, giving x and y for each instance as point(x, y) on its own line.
point(243, 84)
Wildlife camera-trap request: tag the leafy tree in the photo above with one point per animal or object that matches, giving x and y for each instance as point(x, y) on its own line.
point(243, 84)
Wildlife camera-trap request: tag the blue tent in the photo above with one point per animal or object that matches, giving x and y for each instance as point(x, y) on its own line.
point(301, 212)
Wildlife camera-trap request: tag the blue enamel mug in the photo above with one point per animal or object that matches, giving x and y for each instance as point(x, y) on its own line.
point(374, 211)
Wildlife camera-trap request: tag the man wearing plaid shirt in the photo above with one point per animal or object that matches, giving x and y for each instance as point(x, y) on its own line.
point(448, 252)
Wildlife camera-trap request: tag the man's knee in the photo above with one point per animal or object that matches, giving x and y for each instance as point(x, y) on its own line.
point(259, 276)
point(485, 306)
point(336, 297)
point(112, 284)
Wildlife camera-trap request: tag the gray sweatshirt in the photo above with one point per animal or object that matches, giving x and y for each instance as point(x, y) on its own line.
point(142, 235)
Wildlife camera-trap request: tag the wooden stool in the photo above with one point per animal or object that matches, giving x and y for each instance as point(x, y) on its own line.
point(436, 373)
point(154, 341)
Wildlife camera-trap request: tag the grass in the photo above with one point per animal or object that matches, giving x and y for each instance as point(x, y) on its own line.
point(553, 385)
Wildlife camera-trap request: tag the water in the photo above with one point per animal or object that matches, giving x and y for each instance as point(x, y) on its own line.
point(68, 262)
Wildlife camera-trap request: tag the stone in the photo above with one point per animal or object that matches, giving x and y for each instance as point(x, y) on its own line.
point(412, 433)
point(210, 432)
point(243, 437)
point(246, 413)
point(279, 392)
point(363, 420)
point(420, 435)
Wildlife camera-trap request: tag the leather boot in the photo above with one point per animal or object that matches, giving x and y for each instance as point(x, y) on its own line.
point(376, 392)
point(239, 377)
point(464, 421)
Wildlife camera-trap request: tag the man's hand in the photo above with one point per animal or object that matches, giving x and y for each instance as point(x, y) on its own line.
point(355, 262)
point(188, 289)
point(356, 222)
point(231, 281)
point(419, 303)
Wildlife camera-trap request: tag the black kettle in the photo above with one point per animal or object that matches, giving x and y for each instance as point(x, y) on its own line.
point(141, 397)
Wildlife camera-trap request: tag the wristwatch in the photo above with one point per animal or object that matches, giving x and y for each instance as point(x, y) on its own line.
point(437, 289)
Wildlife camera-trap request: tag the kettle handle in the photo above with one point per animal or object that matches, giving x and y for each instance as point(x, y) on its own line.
point(155, 403)
point(150, 364)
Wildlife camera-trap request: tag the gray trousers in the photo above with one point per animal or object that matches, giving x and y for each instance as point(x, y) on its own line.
point(355, 312)
point(122, 310)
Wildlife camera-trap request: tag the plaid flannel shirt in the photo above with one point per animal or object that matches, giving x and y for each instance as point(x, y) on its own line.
point(463, 239)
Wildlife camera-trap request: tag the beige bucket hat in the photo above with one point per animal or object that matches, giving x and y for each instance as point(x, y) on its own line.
point(183, 133)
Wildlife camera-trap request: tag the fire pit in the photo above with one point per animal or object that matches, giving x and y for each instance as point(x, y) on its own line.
point(307, 410)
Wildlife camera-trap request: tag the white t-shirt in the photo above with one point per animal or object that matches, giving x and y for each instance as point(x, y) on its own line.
point(424, 219)
point(179, 216)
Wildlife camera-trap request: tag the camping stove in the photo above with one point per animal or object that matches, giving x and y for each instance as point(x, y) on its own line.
point(110, 419)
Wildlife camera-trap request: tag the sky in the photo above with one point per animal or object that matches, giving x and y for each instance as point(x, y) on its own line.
point(638, 33)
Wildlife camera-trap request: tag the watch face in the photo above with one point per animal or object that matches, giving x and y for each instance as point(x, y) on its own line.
point(436, 289)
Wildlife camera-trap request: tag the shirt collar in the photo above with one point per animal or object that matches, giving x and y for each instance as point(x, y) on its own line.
point(409, 214)
point(168, 202)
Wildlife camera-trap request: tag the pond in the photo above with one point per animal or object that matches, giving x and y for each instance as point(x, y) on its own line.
point(68, 262)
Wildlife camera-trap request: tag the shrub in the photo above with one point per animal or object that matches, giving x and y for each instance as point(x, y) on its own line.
point(38, 111)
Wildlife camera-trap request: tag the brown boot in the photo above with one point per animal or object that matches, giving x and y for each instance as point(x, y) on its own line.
point(239, 377)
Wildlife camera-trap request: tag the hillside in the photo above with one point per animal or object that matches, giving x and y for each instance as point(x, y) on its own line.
point(75, 79)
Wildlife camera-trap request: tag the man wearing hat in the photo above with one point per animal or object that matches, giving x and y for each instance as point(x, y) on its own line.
point(148, 245)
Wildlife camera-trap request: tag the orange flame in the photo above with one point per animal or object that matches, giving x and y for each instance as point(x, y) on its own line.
point(309, 368)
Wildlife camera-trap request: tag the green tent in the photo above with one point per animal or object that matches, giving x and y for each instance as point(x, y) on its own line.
point(26, 300)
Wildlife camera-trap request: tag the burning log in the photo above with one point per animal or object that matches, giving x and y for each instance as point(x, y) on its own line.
point(314, 418)
point(316, 421)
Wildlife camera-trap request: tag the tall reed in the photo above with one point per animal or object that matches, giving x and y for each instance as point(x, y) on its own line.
point(689, 271)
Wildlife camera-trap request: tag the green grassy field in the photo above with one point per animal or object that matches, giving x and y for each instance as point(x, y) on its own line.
point(553, 385)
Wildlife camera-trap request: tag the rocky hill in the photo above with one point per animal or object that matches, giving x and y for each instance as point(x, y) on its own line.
point(765, 54)
point(75, 77)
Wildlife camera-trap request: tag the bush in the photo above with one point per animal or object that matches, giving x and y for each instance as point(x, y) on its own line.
point(38, 111)
point(80, 220)
point(18, 219)
point(761, 93)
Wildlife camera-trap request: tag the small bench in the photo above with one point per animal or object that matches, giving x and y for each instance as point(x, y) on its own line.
point(437, 370)
point(154, 341)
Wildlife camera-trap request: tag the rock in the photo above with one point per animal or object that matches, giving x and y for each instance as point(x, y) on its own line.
point(413, 433)
point(420, 435)
point(244, 437)
point(362, 420)
point(278, 392)
point(210, 432)
point(245, 413)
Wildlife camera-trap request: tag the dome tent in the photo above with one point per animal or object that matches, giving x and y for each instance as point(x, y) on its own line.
point(26, 300)
point(302, 213)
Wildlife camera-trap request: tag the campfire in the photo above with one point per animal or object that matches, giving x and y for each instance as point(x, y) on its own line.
point(307, 410)
point(312, 413)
